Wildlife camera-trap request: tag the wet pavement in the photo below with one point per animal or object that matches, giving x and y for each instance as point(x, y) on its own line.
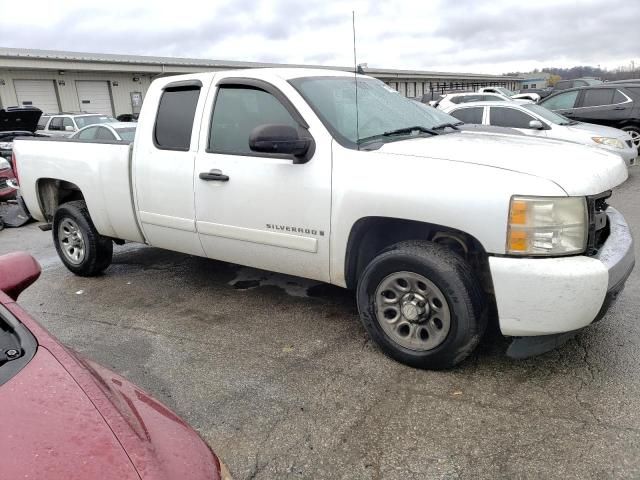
point(279, 377)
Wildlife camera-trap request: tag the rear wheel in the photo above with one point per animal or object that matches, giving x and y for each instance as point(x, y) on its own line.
point(79, 245)
point(422, 304)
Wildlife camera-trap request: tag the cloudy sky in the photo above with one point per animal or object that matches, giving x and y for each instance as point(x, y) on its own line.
point(492, 36)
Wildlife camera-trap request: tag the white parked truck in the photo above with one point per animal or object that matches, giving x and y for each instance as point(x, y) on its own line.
point(437, 230)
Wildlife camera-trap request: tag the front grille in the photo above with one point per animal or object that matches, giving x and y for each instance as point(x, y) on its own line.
point(3, 183)
point(598, 222)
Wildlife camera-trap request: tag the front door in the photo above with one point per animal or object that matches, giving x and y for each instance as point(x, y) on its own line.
point(259, 209)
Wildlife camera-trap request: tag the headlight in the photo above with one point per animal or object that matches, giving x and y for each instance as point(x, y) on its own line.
point(608, 142)
point(4, 164)
point(6, 145)
point(547, 225)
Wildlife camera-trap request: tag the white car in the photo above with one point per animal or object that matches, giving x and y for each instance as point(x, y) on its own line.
point(451, 99)
point(66, 124)
point(534, 97)
point(537, 121)
point(117, 131)
point(434, 229)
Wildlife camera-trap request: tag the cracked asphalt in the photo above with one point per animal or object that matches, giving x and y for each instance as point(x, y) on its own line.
point(279, 377)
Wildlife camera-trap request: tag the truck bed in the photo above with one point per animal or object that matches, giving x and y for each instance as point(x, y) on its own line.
point(100, 169)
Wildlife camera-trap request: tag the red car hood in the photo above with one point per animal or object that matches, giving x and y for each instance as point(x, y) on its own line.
point(64, 417)
point(50, 428)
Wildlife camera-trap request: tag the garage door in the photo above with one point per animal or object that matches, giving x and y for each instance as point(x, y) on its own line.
point(94, 97)
point(37, 93)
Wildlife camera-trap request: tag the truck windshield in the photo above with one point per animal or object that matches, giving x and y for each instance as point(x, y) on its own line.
point(381, 110)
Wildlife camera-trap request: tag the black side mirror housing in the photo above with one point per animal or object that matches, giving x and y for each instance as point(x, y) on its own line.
point(282, 139)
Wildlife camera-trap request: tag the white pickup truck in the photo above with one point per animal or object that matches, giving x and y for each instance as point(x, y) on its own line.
point(436, 229)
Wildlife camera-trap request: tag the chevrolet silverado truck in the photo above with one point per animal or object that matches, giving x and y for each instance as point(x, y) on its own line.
point(336, 177)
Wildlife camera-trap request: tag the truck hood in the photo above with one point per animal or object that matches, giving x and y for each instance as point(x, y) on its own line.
point(577, 169)
point(19, 119)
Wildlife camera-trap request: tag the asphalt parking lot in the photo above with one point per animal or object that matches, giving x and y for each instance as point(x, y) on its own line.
point(278, 376)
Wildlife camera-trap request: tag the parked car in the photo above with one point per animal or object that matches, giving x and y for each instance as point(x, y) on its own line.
point(537, 121)
point(431, 226)
point(576, 82)
point(629, 80)
point(615, 105)
point(16, 122)
point(542, 92)
point(66, 417)
point(534, 97)
point(8, 187)
point(127, 117)
point(66, 124)
point(456, 98)
point(119, 131)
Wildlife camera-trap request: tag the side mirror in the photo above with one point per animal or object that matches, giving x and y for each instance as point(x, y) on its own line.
point(284, 139)
point(536, 125)
point(17, 272)
point(69, 128)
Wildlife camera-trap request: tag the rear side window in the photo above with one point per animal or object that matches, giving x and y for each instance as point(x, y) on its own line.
point(596, 97)
point(469, 115)
point(66, 122)
point(237, 111)
point(56, 123)
point(104, 134)
point(563, 84)
point(174, 121)
point(561, 101)
point(87, 134)
point(509, 117)
point(486, 98)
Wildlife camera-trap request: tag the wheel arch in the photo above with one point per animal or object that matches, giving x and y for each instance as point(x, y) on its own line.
point(369, 236)
point(53, 192)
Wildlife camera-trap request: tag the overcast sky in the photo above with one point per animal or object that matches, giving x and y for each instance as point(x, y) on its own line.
point(493, 36)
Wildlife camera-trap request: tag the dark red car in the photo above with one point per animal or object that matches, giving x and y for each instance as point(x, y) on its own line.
point(63, 417)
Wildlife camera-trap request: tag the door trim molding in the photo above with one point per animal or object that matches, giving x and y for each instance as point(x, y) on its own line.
point(283, 240)
point(177, 223)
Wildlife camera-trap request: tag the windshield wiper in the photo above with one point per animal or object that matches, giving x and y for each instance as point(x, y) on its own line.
point(409, 130)
point(450, 125)
point(398, 131)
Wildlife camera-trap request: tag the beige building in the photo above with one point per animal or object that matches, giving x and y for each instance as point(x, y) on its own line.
point(56, 81)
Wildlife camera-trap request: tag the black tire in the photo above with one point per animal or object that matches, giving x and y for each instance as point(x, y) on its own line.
point(98, 250)
point(455, 279)
point(634, 131)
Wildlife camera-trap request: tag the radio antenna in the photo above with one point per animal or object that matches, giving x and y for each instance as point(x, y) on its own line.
point(355, 77)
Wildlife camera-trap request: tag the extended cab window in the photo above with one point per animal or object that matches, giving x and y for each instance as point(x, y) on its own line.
point(174, 121)
point(237, 111)
point(42, 122)
point(561, 101)
point(469, 115)
point(104, 134)
point(509, 117)
point(597, 97)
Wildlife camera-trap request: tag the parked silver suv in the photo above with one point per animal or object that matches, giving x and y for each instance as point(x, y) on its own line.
point(66, 124)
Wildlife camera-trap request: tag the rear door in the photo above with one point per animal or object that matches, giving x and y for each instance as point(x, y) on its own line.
point(265, 211)
point(606, 106)
point(163, 168)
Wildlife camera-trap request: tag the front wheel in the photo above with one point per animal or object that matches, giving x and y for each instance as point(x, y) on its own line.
point(422, 304)
point(635, 135)
point(79, 245)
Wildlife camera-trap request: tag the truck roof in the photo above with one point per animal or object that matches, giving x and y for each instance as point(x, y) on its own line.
point(284, 73)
